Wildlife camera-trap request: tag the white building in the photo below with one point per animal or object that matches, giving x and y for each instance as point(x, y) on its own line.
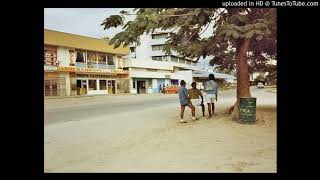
point(149, 67)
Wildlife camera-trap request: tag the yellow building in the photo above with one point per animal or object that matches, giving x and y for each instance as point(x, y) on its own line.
point(77, 65)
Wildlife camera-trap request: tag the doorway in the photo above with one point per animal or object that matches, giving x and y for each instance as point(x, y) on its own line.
point(51, 87)
point(111, 86)
point(81, 87)
point(141, 87)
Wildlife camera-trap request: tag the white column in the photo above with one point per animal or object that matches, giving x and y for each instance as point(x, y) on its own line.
point(98, 84)
point(87, 85)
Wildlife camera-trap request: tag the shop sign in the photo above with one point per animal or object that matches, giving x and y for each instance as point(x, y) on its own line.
point(50, 68)
point(68, 69)
point(75, 69)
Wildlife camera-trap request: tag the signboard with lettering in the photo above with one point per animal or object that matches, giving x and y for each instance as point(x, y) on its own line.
point(93, 70)
point(50, 68)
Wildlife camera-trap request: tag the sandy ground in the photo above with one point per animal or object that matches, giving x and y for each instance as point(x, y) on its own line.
point(160, 143)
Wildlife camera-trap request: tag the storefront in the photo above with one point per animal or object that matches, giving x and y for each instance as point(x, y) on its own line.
point(96, 84)
point(66, 81)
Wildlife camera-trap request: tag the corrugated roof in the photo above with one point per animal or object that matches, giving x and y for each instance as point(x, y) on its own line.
point(57, 38)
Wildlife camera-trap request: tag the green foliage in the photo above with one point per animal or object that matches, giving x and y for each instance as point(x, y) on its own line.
point(112, 21)
point(232, 25)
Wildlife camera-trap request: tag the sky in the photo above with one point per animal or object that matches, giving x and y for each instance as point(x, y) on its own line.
point(86, 21)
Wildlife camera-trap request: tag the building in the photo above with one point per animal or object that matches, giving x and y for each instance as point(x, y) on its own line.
point(149, 67)
point(200, 76)
point(77, 65)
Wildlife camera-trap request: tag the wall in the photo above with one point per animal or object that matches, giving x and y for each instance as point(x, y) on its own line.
point(133, 90)
point(123, 85)
point(66, 76)
point(63, 56)
point(155, 86)
point(143, 74)
point(183, 75)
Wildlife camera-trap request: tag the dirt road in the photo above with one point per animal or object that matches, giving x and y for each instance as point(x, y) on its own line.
point(141, 133)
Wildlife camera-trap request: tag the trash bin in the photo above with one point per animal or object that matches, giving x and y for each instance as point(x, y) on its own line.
point(247, 110)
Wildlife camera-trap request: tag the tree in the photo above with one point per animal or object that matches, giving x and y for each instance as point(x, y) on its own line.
point(243, 38)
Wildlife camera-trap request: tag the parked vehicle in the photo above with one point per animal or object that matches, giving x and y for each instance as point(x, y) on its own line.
point(172, 89)
point(260, 85)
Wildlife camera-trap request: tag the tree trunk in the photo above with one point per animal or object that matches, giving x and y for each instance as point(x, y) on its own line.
point(243, 86)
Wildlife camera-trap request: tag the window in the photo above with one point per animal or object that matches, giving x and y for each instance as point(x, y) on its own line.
point(80, 56)
point(194, 63)
point(182, 60)
point(159, 36)
point(92, 84)
point(165, 58)
point(110, 59)
point(103, 84)
point(91, 57)
point(157, 47)
point(157, 58)
point(174, 59)
point(102, 58)
point(132, 49)
point(188, 62)
point(150, 83)
point(151, 70)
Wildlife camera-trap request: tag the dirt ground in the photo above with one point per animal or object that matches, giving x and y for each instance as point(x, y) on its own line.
point(161, 143)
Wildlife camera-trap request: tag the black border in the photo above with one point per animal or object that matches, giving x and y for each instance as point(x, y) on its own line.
point(295, 30)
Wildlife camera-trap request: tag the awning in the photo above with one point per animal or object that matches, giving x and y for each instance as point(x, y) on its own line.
point(205, 74)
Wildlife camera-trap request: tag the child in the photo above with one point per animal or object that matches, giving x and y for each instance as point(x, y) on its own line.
point(185, 101)
point(194, 95)
point(211, 88)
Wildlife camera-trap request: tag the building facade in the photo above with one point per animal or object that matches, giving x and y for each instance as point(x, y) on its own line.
point(149, 67)
point(79, 65)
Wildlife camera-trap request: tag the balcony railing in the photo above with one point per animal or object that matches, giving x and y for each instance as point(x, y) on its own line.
point(95, 65)
point(111, 66)
point(102, 66)
point(92, 65)
point(81, 65)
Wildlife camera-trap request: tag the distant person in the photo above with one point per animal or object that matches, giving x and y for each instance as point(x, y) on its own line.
point(211, 89)
point(195, 95)
point(166, 90)
point(160, 89)
point(185, 101)
point(163, 89)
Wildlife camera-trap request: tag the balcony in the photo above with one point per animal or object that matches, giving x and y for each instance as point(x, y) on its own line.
point(111, 66)
point(81, 65)
point(95, 65)
point(92, 65)
point(157, 41)
point(102, 66)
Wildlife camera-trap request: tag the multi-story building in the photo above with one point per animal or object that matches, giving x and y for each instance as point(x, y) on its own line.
point(76, 65)
point(149, 66)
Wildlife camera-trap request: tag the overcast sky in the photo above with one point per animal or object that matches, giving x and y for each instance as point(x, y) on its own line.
point(82, 21)
point(85, 21)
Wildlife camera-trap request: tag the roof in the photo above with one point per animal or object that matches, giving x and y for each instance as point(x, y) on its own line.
point(205, 74)
point(57, 38)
